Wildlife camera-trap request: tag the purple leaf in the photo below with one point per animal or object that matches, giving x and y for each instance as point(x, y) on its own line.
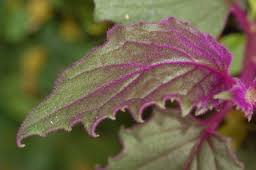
point(140, 65)
point(244, 96)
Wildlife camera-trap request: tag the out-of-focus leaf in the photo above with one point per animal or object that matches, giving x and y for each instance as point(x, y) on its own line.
point(8, 66)
point(235, 127)
point(82, 11)
point(91, 27)
point(96, 29)
point(16, 26)
point(252, 4)
point(207, 15)
point(140, 65)
point(2, 19)
point(32, 61)
point(69, 30)
point(235, 44)
point(39, 12)
point(13, 99)
point(246, 152)
point(17, 69)
point(169, 141)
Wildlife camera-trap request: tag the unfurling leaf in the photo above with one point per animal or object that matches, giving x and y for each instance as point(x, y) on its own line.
point(206, 15)
point(244, 97)
point(140, 65)
point(171, 142)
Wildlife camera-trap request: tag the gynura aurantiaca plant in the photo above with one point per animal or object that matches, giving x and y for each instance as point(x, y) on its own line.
point(148, 63)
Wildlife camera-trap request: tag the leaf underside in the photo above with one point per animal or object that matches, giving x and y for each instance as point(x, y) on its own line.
point(206, 15)
point(139, 65)
point(171, 142)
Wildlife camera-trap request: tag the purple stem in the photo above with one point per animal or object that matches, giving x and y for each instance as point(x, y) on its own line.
point(213, 122)
point(249, 64)
point(249, 68)
point(247, 76)
point(249, 28)
point(240, 16)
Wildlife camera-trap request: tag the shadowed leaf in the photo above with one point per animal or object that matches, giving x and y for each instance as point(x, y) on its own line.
point(170, 142)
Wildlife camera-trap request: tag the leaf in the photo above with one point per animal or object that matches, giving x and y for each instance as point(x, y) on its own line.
point(210, 16)
point(235, 43)
point(244, 97)
point(16, 27)
point(252, 4)
point(169, 141)
point(139, 65)
point(246, 152)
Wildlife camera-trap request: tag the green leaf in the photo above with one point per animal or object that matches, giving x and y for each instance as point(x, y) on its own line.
point(252, 4)
point(246, 152)
point(16, 27)
point(207, 15)
point(235, 44)
point(140, 65)
point(169, 141)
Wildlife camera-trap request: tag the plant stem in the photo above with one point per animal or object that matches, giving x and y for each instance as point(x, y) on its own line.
point(249, 68)
point(249, 65)
point(214, 121)
point(247, 76)
point(241, 17)
point(249, 28)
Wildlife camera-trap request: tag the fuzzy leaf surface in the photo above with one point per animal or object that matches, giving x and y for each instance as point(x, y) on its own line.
point(171, 142)
point(207, 15)
point(139, 65)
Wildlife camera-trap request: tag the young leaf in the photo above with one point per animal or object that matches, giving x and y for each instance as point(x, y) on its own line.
point(207, 15)
point(244, 97)
point(169, 141)
point(140, 65)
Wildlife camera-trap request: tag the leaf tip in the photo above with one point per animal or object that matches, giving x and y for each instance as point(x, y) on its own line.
point(19, 137)
point(19, 142)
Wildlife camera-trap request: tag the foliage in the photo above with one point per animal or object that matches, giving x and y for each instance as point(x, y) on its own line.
point(207, 20)
point(122, 74)
point(253, 8)
point(143, 63)
point(28, 65)
point(173, 142)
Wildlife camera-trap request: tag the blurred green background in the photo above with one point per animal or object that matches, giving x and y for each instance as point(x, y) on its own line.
point(38, 39)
